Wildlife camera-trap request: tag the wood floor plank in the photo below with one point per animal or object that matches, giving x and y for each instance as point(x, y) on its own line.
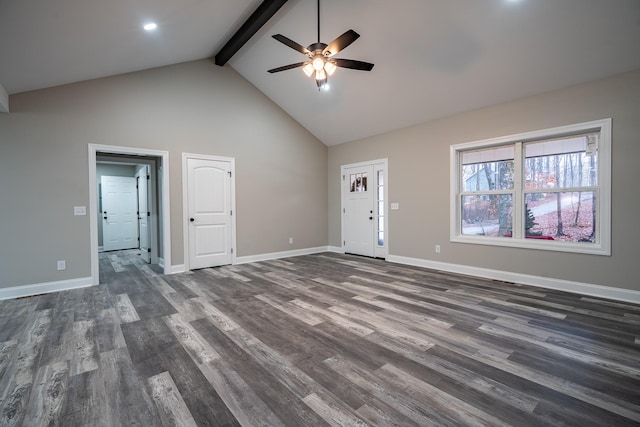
point(337, 319)
point(291, 310)
point(125, 309)
point(84, 404)
point(460, 411)
point(21, 373)
point(285, 404)
point(108, 332)
point(172, 409)
point(332, 411)
point(83, 349)
point(47, 395)
point(243, 403)
point(126, 396)
point(410, 407)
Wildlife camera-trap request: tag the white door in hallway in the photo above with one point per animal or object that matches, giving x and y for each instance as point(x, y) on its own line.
point(144, 213)
point(119, 213)
point(358, 210)
point(209, 208)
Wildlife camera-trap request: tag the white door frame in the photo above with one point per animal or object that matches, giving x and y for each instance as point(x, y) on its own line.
point(93, 201)
point(380, 252)
point(185, 204)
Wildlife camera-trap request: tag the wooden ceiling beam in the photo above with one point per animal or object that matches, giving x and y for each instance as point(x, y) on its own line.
point(258, 18)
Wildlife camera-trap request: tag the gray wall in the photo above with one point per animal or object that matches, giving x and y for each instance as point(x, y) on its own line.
point(419, 181)
point(196, 107)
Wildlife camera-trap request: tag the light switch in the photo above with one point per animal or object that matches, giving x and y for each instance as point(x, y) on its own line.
point(79, 210)
point(395, 206)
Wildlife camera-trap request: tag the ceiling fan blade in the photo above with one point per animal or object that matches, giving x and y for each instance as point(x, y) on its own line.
point(340, 43)
point(293, 45)
point(287, 67)
point(353, 64)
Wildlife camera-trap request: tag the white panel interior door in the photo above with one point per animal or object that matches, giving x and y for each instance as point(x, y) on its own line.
point(358, 212)
point(144, 213)
point(209, 209)
point(119, 213)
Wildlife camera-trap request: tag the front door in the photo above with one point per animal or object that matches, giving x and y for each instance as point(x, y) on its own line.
point(209, 212)
point(358, 210)
point(119, 213)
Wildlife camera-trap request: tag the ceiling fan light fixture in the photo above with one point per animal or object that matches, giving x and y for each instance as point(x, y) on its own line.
point(308, 69)
point(318, 63)
point(330, 68)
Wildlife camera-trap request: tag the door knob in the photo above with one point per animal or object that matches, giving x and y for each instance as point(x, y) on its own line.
point(192, 219)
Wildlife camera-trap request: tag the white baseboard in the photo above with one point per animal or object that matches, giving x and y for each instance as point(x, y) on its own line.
point(100, 248)
point(161, 262)
point(284, 254)
point(619, 294)
point(336, 249)
point(175, 269)
point(44, 288)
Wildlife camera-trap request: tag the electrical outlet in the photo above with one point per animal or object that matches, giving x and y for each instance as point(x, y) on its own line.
point(62, 265)
point(437, 249)
point(79, 210)
point(291, 240)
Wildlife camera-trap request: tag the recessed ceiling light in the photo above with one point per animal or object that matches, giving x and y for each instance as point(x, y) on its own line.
point(150, 26)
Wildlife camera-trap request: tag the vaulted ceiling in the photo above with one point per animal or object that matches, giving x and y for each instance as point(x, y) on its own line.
point(432, 58)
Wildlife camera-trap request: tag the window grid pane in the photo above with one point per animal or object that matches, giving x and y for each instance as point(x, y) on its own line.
point(569, 162)
point(563, 216)
point(487, 215)
point(358, 182)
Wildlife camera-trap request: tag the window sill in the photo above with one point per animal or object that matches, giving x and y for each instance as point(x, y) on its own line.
point(535, 243)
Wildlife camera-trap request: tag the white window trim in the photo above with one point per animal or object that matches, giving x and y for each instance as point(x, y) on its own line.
point(603, 226)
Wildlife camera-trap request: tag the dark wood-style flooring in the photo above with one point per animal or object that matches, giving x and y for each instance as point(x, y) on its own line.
point(315, 340)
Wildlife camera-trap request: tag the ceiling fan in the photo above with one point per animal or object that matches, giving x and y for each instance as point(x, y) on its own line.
point(321, 62)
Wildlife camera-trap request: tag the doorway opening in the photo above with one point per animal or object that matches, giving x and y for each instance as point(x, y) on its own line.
point(129, 204)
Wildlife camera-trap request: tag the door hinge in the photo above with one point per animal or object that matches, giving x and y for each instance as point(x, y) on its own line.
point(148, 176)
point(231, 250)
point(149, 250)
point(343, 177)
point(344, 210)
point(231, 213)
point(229, 172)
point(148, 213)
point(344, 243)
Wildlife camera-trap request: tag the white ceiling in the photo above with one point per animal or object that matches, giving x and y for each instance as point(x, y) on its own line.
point(432, 57)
